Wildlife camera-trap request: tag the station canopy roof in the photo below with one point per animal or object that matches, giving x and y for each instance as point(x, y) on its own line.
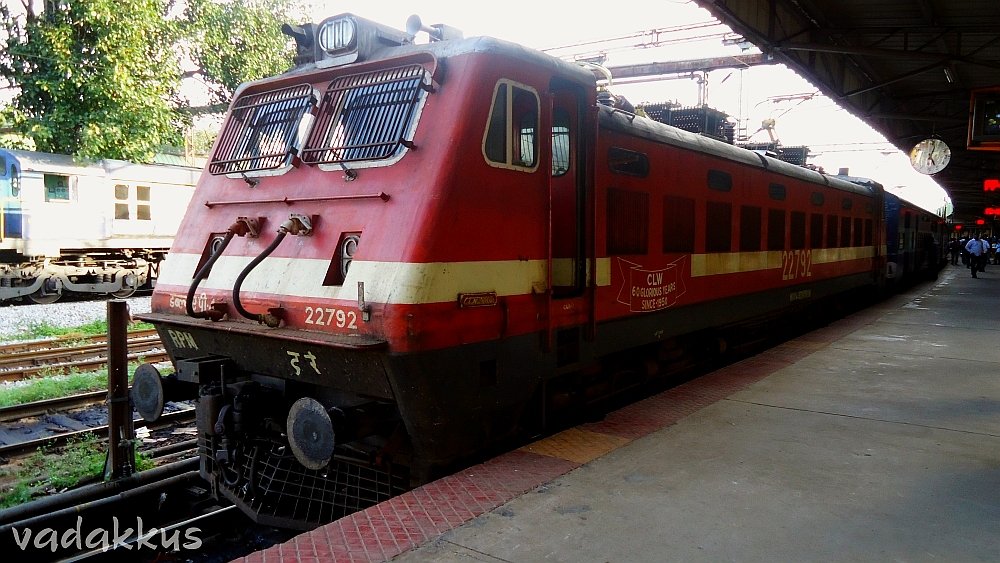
point(909, 68)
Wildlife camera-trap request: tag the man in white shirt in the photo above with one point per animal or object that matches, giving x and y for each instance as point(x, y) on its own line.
point(977, 253)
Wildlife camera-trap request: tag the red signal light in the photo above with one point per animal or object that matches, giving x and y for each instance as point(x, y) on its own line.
point(980, 221)
point(991, 184)
point(993, 211)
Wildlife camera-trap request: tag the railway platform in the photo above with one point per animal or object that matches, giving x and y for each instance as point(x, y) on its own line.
point(875, 438)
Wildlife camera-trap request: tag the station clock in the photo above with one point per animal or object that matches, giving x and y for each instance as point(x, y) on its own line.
point(930, 156)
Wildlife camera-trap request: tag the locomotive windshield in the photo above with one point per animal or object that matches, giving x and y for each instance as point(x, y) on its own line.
point(362, 117)
point(263, 131)
point(368, 116)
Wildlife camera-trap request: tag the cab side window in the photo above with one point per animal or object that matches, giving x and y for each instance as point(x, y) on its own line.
point(511, 139)
point(15, 181)
point(560, 142)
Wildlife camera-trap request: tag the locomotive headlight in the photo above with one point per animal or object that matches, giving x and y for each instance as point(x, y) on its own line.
point(347, 38)
point(337, 34)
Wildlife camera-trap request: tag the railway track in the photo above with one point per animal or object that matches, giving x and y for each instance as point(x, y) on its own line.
point(38, 408)
point(22, 360)
point(186, 415)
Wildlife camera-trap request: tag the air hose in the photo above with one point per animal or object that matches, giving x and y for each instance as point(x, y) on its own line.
point(264, 318)
point(203, 273)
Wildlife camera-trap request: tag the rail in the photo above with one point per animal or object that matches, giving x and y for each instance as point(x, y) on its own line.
point(23, 360)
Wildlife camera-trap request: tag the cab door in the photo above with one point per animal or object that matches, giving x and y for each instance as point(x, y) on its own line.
point(571, 303)
point(567, 192)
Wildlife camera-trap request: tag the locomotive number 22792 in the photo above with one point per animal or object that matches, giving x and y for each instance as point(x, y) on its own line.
point(330, 316)
point(796, 264)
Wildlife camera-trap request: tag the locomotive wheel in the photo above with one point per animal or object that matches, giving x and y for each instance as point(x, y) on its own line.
point(45, 298)
point(123, 293)
point(129, 285)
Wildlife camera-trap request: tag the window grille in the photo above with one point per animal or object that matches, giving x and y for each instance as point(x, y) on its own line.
point(262, 132)
point(628, 222)
point(365, 116)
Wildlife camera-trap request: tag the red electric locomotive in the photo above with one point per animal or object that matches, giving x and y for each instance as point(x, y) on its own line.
point(402, 253)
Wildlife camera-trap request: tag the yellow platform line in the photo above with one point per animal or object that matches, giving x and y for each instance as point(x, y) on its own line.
point(574, 444)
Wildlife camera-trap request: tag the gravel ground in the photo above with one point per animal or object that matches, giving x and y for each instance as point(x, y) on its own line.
point(15, 319)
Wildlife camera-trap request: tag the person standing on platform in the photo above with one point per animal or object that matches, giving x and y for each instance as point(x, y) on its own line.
point(977, 253)
point(954, 247)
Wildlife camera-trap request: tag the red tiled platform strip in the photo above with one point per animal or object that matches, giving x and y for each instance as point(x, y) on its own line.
point(419, 516)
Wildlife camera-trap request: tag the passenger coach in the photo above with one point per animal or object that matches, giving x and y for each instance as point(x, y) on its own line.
point(71, 225)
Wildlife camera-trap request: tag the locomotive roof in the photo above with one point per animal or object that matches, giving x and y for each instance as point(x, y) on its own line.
point(455, 47)
point(663, 133)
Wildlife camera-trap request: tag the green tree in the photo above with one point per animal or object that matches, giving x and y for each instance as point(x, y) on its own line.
point(96, 78)
point(234, 42)
point(102, 78)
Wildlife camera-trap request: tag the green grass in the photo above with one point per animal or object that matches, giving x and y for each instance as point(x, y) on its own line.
point(81, 460)
point(52, 386)
point(47, 330)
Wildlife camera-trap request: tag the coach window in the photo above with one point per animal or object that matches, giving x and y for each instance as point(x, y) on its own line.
point(775, 229)
point(56, 187)
point(858, 233)
point(831, 231)
point(511, 139)
point(815, 230)
point(798, 230)
point(628, 222)
point(720, 181)
point(630, 163)
point(121, 202)
point(142, 209)
point(845, 232)
point(868, 232)
point(777, 192)
point(750, 227)
point(718, 227)
point(678, 224)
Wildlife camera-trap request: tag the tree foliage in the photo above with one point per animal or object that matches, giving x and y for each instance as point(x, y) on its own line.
point(96, 78)
point(234, 42)
point(102, 78)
